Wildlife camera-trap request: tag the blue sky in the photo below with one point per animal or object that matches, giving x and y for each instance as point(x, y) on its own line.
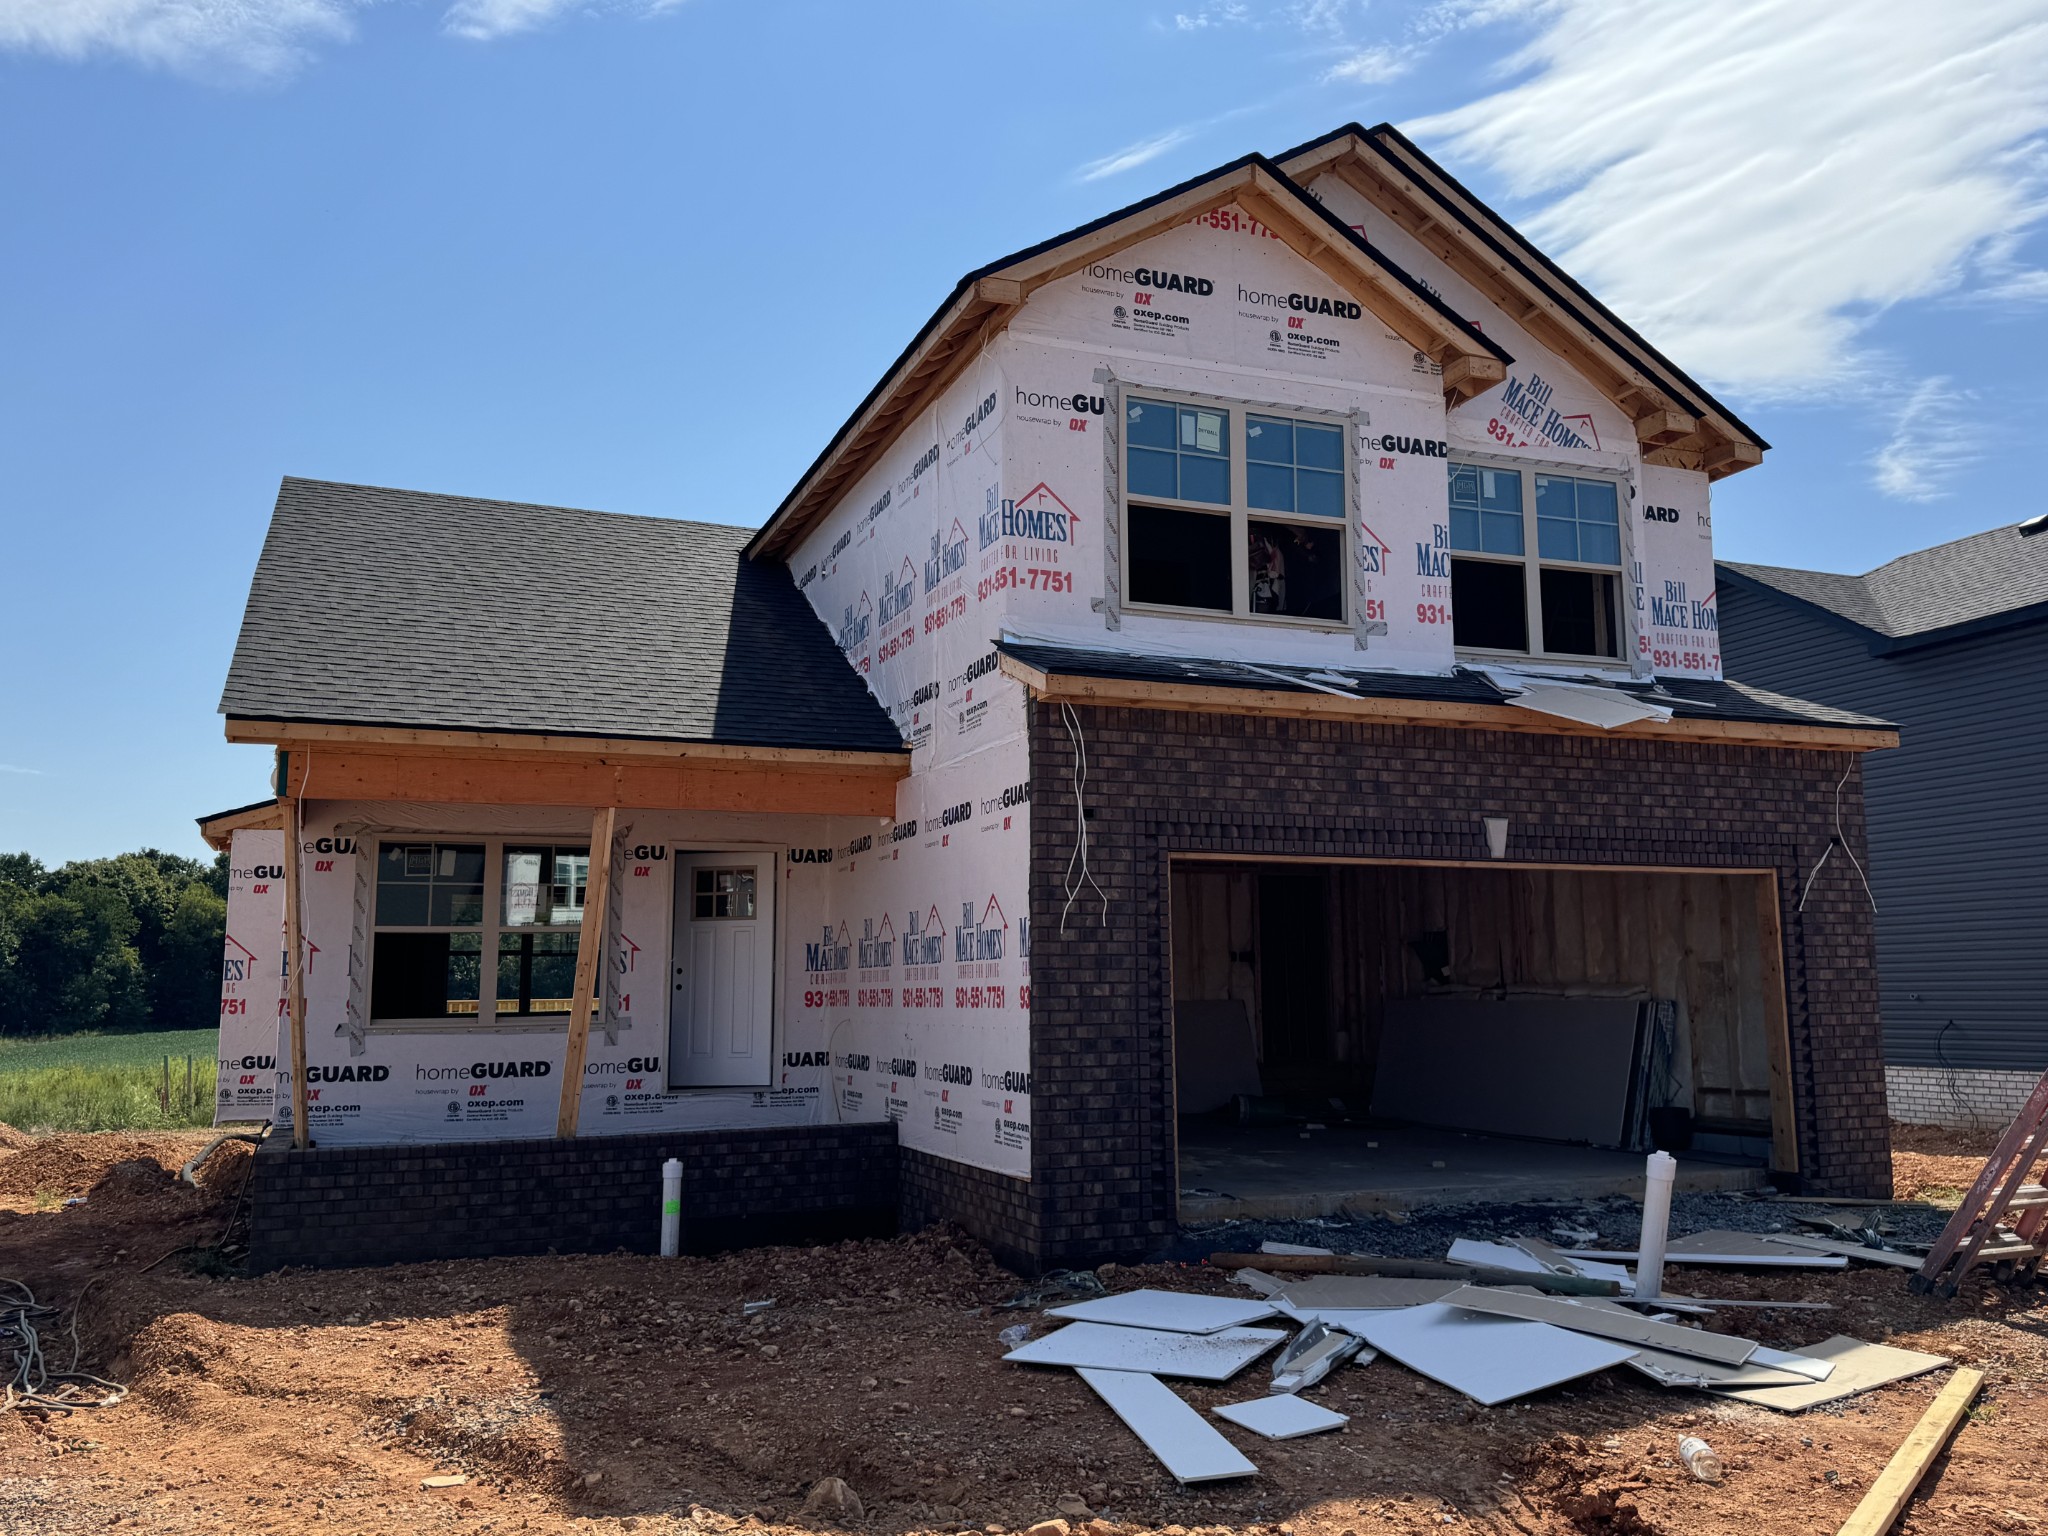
point(645, 257)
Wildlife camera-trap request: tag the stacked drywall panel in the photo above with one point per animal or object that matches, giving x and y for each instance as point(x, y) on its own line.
point(251, 977)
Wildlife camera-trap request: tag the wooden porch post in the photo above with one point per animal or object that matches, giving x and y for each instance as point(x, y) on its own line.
point(295, 959)
point(589, 958)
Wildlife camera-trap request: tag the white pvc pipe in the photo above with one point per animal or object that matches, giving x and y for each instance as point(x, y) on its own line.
point(1663, 1168)
point(671, 1208)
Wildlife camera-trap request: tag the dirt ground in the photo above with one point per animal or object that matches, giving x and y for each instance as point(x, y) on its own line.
point(606, 1394)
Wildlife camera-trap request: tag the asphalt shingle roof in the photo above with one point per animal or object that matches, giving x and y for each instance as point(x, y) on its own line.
point(1981, 578)
point(1687, 698)
point(386, 607)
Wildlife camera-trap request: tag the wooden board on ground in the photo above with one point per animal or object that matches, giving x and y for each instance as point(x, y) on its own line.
point(1909, 1463)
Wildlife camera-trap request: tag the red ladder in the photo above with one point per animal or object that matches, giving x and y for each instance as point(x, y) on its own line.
point(1977, 1233)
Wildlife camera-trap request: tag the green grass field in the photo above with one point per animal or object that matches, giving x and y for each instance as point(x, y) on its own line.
point(105, 1082)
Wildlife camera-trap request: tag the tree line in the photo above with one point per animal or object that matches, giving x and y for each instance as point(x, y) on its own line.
point(130, 942)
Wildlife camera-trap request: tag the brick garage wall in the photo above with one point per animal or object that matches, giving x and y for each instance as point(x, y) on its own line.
point(382, 1205)
point(1163, 782)
point(1964, 1098)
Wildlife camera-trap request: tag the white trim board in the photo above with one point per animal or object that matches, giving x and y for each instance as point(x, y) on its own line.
point(1169, 1311)
point(1489, 1359)
point(1186, 1444)
point(1105, 1346)
point(1282, 1418)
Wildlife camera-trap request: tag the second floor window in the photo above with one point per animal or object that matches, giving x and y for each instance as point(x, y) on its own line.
point(1234, 511)
point(1536, 562)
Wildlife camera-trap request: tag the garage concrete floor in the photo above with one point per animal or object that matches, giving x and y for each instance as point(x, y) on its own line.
point(1271, 1173)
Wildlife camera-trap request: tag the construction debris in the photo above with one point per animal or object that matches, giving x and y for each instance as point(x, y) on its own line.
point(1315, 1352)
point(1282, 1418)
point(1106, 1346)
point(1605, 1323)
point(1743, 1249)
point(1978, 1233)
point(1186, 1444)
point(1170, 1311)
point(1489, 1359)
point(1909, 1463)
point(1412, 1269)
point(1857, 1367)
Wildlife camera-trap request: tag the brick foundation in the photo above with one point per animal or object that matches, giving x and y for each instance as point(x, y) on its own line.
point(1965, 1098)
point(1168, 782)
point(379, 1205)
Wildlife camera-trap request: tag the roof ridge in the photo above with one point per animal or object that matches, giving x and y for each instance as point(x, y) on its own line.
point(524, 506)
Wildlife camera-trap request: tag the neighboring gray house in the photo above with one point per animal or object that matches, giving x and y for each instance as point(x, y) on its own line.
point(1952, 644)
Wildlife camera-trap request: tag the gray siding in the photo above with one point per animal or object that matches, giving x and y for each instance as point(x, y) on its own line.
point(1958, 819)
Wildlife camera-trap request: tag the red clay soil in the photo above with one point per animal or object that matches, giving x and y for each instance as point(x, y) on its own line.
point(612, 1394)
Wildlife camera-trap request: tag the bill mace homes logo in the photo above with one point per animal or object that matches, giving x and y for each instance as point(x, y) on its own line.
point(924, 938)
point(899, 591)
point(1527, 406)
point(857, 625)
point(877, 949)
point(831, 952)
point(1038, 515)
point(948, 556)
point(979, 938)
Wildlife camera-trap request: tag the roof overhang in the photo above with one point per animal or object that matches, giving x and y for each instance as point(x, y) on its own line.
point(357, 762)
point(1678, 424)
point(219, 829)
point(1283, 703)
point(984, 302)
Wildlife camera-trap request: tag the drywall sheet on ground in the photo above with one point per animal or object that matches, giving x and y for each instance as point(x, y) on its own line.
point(1198, 1356)
point(1489, 1359)
point(1554, 1068)
point(1187, 1445)
point(1857, 1368)
point(1740, 1249)
point(1170, 1311)
point(1214, 1056)
point(252, 978)
point(1282, 1417)
point(1611, 1323)
point(1321, 1293)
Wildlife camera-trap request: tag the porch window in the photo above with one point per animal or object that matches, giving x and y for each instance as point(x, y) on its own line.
point(1566, 601)
point(447, 949)
point(1234, 511)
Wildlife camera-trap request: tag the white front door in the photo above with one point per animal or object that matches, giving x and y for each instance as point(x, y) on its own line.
point(722, 982)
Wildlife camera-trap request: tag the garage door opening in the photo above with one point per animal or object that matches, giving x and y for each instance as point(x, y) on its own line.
point(1357, 1037)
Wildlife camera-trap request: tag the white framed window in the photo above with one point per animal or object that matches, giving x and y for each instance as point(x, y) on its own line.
point(1234, 510)
point(475, 930)
point(1535, 562)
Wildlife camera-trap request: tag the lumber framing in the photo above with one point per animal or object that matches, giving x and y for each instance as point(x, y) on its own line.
point(984, 305)
point(625, 781)
point(1281, 704)
point(1672, 429)
point(1778, 1027)
point(1881, 1506)
point(218, 831)
point(294, 948)
point(590, 941)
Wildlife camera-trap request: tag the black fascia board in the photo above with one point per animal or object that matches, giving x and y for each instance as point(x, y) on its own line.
point(1578, 297)
point(989, 269)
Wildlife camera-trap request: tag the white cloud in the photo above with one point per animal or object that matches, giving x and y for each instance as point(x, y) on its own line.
point(1212, 16)
point(1132, 156)
point(1935, 434)
point(1753, 182)
point(247, 39)
point(1373, 66)
point(12, 768)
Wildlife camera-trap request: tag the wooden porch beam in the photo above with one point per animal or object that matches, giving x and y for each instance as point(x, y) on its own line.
point(590, 939)
point(624, 782)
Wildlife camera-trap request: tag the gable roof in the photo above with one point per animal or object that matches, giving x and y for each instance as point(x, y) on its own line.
point(1989, 580)
point(983, 301)
point(1677, 422)
point(378, 607)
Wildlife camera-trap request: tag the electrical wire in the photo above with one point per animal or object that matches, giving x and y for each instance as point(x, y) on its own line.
point(29, 1381)
point(1068, 884)
point(1839, 840)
